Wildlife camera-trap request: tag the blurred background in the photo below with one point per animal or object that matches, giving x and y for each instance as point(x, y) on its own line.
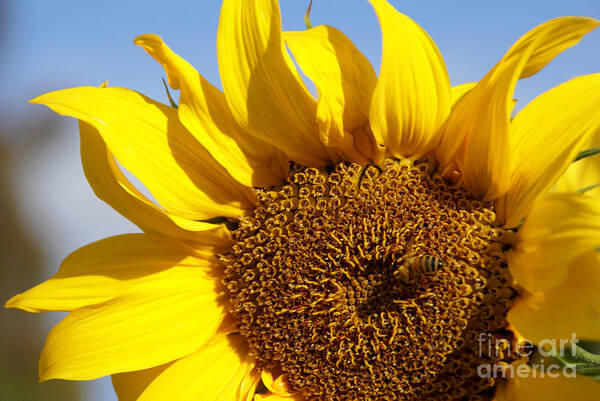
point(46, 207)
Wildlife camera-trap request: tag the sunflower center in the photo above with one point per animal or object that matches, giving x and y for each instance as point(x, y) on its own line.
point(371, 283)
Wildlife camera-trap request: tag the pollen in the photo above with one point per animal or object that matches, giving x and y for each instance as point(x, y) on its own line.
point(314, 283)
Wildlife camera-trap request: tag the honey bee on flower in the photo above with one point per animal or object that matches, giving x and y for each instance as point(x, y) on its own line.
point(268, 250)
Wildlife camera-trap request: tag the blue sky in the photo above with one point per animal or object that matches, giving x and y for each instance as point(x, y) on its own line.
point(51, 45)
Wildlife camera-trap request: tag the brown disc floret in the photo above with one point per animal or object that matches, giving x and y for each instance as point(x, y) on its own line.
point(312, 282)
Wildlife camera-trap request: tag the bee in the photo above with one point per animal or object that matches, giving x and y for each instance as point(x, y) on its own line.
point(417, 266)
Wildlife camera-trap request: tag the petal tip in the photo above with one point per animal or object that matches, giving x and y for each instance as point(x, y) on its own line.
point(12, 303)
point(147, 39)
point(21, 301)
point(39, 99)
point(43, 375)
point(594, 22)
point(50, 97)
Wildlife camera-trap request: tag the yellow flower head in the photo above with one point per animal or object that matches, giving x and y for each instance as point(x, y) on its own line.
point(357, 246)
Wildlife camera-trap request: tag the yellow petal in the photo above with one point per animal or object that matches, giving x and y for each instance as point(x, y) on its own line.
point(130, 385)
point(221, 370)
point(481, 118)
point(412, 96)
point(262, 86)
point(545, 137)
point(279, 397)
point(344, 79)
point(102, 270)
point(110, 184)
point(582, 173)
point(147, 138)
point(458, 91)
point(559, 229)
point(528, 386)
point(572, 307)
point(205, 113)
point(476, 134)
point(279, 388)
point(553, 37)
point(276, 383)
point(149, 324)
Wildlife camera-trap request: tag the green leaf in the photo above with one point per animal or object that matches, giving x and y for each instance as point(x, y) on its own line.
point(173, 104)
point(587, 153)
point(584, 362)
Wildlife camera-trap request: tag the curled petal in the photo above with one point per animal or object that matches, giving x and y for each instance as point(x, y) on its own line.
point(148, 139)
point(545, 138)
point(110, 184)
point(344, 79)
point(476, 134)
point(263, 88)
point(205, 113)
point(412, 96)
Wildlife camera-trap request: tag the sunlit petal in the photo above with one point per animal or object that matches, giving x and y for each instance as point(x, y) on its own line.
point(545, 138)
point(559, 229)
point(476, 135)
point(412, 96)
point(147, 138)
point(130, 385)
point(345, 81)
point(251, 53)
point(110, 184)
point(148, 324)
point(102, 270)
point(221, 370)
point(205, 113)
point(571, 307)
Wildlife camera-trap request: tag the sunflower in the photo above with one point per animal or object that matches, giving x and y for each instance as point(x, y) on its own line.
point(354, 246)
